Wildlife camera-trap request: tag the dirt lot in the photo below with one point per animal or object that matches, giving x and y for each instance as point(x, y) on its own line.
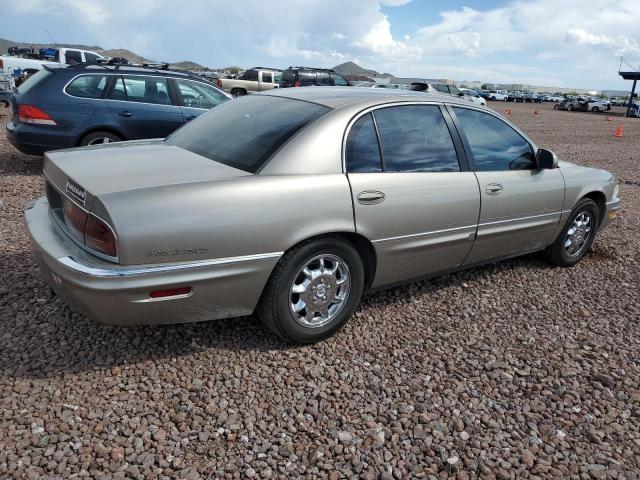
point(515, 370)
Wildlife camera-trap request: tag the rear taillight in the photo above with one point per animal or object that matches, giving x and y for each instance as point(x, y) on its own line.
point(98, 236)
point(219, 83)
point(75, 219)
point(31, 114)
point(89, 230)
point(297, 84)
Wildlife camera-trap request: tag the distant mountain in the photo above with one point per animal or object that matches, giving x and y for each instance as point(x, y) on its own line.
point(123, 53)
point(5, 44)
point(187, 65)
point(352, 69)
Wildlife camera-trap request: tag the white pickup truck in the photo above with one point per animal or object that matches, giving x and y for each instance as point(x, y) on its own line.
point(498, 95)
point(17, 65)
point(253, 80)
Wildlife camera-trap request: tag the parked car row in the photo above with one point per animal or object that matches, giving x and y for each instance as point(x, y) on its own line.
point(583, 104)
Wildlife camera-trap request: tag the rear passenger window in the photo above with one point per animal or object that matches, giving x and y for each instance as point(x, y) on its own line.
point(415, 138)
point(363, 150)
point(87, 86)
point(267, 77)
point(146, 89)
point(495, 146)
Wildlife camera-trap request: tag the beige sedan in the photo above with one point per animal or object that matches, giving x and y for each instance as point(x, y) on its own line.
point(294, 202)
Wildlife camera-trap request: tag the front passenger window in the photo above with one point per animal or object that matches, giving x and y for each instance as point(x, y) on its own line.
point(495, 146)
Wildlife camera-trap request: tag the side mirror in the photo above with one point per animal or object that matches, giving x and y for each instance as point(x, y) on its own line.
point(547, 159)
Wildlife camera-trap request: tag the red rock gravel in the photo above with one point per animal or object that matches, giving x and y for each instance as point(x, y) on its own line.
point(514, 370)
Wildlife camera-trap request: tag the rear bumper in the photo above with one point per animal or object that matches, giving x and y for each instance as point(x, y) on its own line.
point(119, 295)
point(35, 139)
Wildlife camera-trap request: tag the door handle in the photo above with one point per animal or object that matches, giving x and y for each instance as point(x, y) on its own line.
point(493, 189)
point(126, 114)
point(370, 197)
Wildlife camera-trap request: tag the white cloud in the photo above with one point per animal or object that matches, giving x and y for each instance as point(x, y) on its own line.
point(552, 41)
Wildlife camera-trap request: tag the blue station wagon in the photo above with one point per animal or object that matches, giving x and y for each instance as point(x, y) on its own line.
point(88, 104)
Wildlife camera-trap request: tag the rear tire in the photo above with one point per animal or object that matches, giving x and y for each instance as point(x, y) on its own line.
point(595, 109)
point(288, 305)
point(99, 138)
point(238, 92)
point(577, 236)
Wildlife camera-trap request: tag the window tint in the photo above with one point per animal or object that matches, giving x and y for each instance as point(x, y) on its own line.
point(251, 75)
point(199, 95)
point(34, 80)
point(267, 77)
point(221, 134)
point(91, 57)
point(340, 81)
point(495, 146)
point(73, 57)
point(88, 86)
point(415, 139)
point(118, 92)
point(363, 151)
point(147, 89)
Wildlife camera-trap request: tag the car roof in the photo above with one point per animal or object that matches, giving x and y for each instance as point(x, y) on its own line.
point(334, 97)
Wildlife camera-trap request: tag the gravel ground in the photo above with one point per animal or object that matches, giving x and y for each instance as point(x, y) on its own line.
point(514, 370)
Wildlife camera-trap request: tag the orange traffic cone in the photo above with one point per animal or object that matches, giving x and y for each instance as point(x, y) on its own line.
point(618, 132)
point(607, 119)
point(507, 111)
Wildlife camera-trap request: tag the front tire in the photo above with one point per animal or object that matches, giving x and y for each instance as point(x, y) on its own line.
point(577, 236)
point(595, 109)
point(313, 291)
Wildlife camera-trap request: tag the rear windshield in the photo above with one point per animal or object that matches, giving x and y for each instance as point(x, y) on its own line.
point(34, 80)
point(245, 132)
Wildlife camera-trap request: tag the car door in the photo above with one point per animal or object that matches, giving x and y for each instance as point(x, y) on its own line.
point(196, 98)
point(521, 204)
point(144, 106)
point(412, 196)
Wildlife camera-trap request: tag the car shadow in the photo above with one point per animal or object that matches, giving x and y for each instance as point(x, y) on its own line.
point(42, 337)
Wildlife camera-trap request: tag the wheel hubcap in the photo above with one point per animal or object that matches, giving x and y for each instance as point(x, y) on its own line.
point(578, 234)
point(319, 290)
point(99, 141)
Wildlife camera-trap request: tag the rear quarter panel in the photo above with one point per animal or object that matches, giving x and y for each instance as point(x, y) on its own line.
point(227, 218)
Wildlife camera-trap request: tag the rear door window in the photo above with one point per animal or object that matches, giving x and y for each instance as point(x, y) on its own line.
point(143, 89)
point(363, 150)
point(221, 134)
point(415, 138)
point(88, 86)
point(267, 77)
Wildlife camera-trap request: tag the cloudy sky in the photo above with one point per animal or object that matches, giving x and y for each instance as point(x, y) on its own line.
point(569, 43)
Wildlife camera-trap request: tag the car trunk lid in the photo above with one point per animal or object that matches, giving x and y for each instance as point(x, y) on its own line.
point(85, 173)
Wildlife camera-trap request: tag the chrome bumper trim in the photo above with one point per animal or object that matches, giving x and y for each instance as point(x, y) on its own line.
point(131, 271)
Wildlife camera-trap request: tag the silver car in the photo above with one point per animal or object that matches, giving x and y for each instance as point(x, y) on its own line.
point(294, 202)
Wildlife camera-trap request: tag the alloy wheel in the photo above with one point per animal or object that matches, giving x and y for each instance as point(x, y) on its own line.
point(578, 234)
point(319, 290)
